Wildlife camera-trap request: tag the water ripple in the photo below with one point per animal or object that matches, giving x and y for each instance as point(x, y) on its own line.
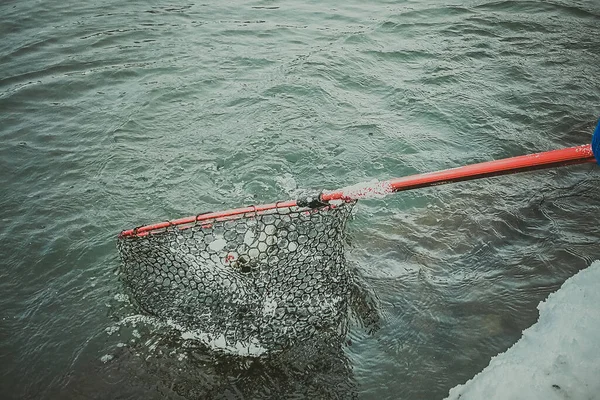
point(116, 115)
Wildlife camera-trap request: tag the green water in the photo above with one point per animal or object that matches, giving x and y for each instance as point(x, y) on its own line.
point(115, 114)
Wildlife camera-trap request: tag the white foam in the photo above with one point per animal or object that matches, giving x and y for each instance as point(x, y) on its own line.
point(106, 358)
point(287, 183)
point(120, 297)
point(111, 329)
point(269, 307)
point(249, 237)
point(556, 358)
point(373, 189)
point(218, 244)
point(252, 348)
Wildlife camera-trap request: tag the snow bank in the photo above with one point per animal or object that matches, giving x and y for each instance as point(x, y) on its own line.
point(556, 358)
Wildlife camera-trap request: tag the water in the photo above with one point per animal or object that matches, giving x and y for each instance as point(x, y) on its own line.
point(118, 114)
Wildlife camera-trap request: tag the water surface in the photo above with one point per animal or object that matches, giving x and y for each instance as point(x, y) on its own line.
point(118, 114)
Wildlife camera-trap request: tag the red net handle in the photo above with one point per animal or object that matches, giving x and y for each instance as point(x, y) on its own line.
point(548, 159)
point(208, 217)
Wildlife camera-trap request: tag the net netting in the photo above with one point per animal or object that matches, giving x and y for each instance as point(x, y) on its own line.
point(250, 284)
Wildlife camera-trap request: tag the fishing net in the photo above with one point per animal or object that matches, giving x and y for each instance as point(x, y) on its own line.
point(246, 284)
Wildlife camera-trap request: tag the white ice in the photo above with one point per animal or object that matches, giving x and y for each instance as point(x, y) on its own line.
point(556, 358)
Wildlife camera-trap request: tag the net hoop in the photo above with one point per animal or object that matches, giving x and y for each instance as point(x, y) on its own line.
point(250, 282)
point(207, 219)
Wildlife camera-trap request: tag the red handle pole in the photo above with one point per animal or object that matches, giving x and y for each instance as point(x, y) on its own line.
point(554, 158)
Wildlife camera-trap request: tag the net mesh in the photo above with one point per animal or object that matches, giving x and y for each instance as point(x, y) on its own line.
point(248, 285)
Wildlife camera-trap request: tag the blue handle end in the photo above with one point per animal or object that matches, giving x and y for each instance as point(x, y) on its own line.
point(596, 143)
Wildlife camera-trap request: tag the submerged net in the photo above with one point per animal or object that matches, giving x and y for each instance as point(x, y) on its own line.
point(250, 284)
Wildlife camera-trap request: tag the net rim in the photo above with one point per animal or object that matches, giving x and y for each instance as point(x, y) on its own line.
point(207, 219)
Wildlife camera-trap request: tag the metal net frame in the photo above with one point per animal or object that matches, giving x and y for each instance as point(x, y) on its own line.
point(248, 283)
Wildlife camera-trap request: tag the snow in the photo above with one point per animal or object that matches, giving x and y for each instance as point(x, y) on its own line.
point(556, 358)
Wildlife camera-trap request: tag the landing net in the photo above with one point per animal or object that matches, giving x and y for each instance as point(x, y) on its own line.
point(247, 284)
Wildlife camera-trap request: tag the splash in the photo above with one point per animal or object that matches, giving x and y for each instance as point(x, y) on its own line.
point(251, 348)
point(373, 189)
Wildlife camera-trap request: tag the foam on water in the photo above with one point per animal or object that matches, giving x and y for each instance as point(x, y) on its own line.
point(288, 184)
point(218, 244)
point(251, 348)
point(106, 358)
